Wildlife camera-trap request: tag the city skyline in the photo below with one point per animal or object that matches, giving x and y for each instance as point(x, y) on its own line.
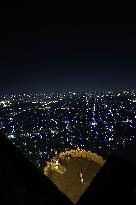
point(101, 123)
point(68, 93)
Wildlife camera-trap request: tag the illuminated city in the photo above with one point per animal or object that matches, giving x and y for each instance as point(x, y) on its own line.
point(40, 124)
point(67, 105)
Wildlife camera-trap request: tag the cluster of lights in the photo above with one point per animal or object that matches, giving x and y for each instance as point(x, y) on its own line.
point(40, 123)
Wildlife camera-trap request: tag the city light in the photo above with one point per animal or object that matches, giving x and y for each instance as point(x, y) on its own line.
point(40, 123)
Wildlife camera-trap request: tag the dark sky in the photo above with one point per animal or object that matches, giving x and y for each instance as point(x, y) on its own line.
point(67, 49)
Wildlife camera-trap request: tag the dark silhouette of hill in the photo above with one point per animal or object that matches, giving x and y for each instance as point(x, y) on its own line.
point(115, 183)
point(22, 183)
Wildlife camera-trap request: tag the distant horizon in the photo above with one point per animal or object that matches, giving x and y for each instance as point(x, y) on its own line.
point(65, 91)
point(40, 54)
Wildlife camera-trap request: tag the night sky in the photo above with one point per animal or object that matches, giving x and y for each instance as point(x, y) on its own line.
point(67, 49)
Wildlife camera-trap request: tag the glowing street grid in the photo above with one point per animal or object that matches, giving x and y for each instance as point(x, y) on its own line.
point(39, 124)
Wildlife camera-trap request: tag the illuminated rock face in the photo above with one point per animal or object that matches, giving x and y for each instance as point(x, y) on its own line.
point(82, 153)
point(54, 166)
point(80, 168)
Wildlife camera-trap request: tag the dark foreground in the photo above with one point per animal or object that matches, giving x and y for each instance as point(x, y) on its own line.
point(22, 183)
